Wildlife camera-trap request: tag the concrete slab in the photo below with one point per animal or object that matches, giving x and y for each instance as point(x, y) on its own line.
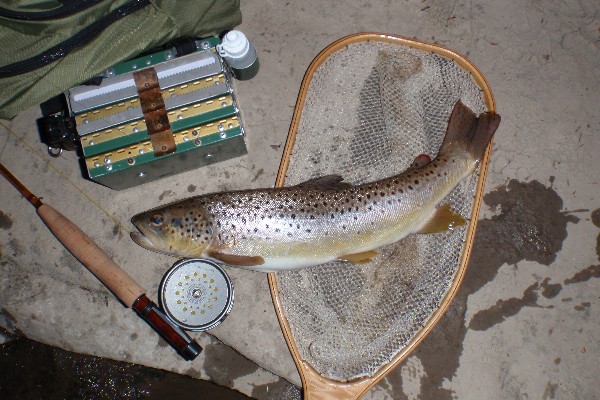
point(525, 322)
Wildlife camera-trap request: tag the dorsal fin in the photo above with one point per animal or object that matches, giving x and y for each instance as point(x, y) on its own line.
point(326, 182)
point(442, 219)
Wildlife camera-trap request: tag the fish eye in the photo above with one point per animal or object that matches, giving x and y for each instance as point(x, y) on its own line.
point(157, 220)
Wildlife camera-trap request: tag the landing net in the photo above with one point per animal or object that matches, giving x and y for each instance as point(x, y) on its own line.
point(370, 109)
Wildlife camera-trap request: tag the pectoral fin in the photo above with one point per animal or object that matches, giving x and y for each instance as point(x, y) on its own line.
point(359, 258)
point(237, 260)
point(442, 220)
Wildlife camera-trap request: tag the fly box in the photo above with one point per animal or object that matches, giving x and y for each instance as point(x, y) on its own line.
point(157, 115)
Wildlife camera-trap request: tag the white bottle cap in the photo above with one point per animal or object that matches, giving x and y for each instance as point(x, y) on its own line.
point(234, 45)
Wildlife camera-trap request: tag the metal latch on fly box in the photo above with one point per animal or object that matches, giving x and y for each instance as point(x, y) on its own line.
point(183, 104)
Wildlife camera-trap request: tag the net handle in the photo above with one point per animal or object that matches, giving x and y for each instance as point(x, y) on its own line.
point(313, 383)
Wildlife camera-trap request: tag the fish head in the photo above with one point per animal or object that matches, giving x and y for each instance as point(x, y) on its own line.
point(176, 229)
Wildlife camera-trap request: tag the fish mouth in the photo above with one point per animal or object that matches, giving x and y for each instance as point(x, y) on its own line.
point(139, 236)
point(142, 240)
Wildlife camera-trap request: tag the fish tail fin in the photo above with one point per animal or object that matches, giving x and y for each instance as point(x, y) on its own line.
point(470, 132)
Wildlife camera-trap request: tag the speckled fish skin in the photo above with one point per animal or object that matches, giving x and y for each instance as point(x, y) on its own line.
point(322, 220)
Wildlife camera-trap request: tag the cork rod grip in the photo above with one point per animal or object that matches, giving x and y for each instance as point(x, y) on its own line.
point(91, 256)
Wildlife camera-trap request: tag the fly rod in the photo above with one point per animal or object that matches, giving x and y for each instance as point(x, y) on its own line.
point(131, 294)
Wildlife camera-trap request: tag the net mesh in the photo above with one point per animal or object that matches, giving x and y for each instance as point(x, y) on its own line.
point(370, 109)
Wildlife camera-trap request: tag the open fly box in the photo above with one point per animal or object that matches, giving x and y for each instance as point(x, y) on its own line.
point(158, 115)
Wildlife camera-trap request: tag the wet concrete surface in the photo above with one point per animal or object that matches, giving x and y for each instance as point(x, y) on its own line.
point(531, 224)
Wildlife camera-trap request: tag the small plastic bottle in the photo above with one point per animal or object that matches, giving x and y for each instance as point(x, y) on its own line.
point(239, 53)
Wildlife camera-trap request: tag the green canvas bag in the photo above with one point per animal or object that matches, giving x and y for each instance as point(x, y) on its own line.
point(48, 46)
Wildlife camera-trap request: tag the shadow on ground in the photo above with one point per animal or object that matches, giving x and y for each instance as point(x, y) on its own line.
point(31, 370)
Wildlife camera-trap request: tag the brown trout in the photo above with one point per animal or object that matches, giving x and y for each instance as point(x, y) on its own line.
point(324, 219)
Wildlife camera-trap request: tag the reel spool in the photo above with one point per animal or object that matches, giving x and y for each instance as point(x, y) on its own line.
point(196, 294)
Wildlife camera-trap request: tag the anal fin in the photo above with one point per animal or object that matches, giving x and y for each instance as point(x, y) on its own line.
point(359, 258)
point(237, 260)
point(442, 220)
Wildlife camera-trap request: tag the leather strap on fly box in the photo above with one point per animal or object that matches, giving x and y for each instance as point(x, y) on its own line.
point(155, 114)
